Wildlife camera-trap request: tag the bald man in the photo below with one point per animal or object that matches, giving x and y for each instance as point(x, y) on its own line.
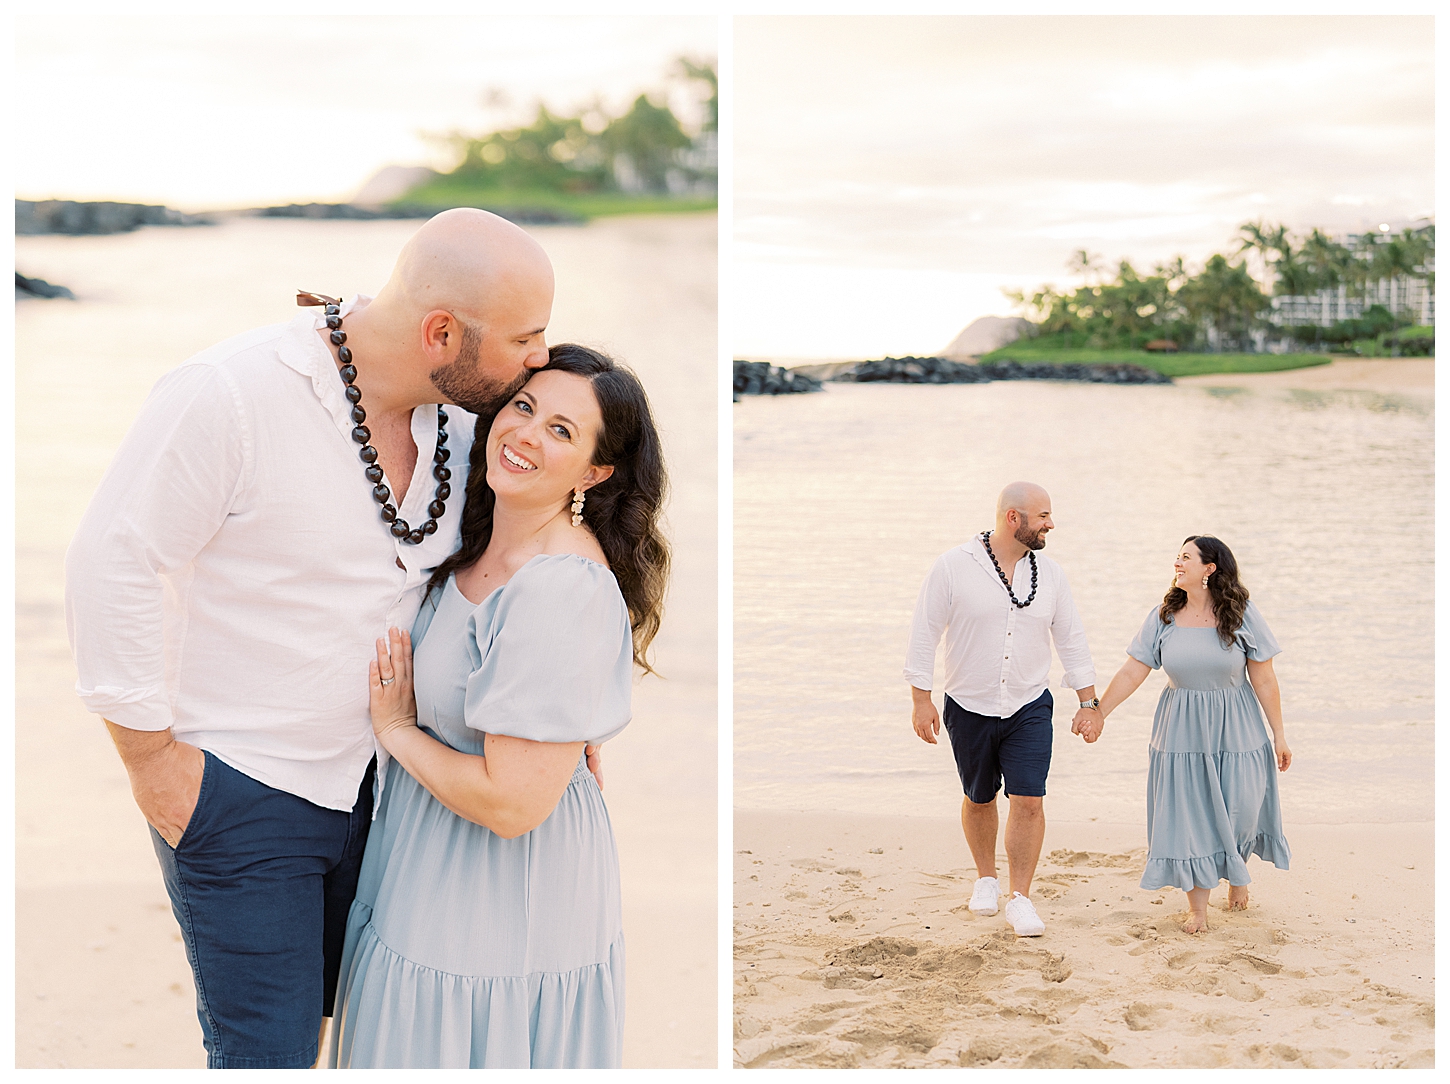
point(1002, 607)
point(250, 540)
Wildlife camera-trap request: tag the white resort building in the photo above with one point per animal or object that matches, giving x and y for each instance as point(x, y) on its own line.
point(1408, 297)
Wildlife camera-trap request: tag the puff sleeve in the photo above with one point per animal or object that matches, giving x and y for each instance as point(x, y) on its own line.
point(1258, 642)
point(1147, 646)
point(555, 658)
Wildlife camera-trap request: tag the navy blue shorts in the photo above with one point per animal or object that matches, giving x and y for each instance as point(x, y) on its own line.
point(990, 749)
point(261, 884)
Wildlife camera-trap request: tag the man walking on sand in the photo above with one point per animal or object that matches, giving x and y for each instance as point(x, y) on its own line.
point(1001, 606)
point(249, 542)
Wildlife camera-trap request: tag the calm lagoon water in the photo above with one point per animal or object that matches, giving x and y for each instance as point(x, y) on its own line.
point(843, 499)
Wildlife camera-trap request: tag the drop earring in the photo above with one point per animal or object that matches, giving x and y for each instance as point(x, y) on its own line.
point(1205, 581)
point(578, 509)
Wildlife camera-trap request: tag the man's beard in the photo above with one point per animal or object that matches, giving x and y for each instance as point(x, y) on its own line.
point(1032, 540)
point(461, 381)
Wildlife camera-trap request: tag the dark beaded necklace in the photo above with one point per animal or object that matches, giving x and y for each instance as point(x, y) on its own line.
point(332, 311)
point(1031, 560)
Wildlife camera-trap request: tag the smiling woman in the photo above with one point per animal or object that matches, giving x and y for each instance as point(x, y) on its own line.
point(623, 458)
point(525, 645)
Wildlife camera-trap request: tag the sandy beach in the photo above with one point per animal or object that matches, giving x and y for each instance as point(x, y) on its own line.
point(1386, 375)
point(854, 947)
point(1414, 376)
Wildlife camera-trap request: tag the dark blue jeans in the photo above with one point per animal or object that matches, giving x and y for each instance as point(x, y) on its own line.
point(261, 884)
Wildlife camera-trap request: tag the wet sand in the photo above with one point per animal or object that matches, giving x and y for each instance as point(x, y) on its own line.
point(854, 947)
point(1414, 376)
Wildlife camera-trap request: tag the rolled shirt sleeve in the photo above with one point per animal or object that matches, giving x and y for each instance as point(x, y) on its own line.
point(174, 479)
point(1071, 640)
point(928, 622)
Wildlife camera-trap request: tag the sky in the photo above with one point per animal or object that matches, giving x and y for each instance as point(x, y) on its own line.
point(894, 174)
point(201, 108)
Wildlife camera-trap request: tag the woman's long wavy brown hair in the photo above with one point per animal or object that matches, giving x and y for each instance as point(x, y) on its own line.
point(1230, 598)
point(623, 510)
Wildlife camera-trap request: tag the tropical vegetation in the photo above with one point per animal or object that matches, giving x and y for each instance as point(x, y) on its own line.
point(591, 163)
point(1184, 363)
point(1223, 307)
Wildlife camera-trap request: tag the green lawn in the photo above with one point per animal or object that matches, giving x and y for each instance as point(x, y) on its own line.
point(441, 193)
point(1168, 364)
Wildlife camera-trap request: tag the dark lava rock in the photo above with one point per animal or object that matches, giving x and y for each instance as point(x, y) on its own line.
point(524, 215)
point(763, 378)
point(914, 371)
point(69, 217)
point(25, 287)
point(1121, 373)
point(941, 371)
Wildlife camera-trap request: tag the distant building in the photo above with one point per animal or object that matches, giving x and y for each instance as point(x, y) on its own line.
point(1328, 307)
point(1403, 297)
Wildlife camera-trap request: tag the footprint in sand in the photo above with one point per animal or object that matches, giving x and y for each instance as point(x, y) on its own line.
point(1215, 1024)
point(1141, 1016)
point(981, 1052)
point(1096, 859)
point(1070, 1055)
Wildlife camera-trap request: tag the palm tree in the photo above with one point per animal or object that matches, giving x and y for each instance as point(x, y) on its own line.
point(1397, 259)
point(1264, 239)
point(1224, 297)
point(1328, 260)
point(1084, 263)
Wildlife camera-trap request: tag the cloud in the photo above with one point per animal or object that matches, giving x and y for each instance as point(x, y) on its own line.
point(981, 145)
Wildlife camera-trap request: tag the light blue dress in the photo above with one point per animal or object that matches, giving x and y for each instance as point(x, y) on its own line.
point(463, 949)
point(1213, 786)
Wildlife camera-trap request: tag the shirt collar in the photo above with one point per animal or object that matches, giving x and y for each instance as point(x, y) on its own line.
point(302, 348)
point(978, 551)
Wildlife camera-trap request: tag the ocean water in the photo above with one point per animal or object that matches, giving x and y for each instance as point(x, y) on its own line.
point(844, 499)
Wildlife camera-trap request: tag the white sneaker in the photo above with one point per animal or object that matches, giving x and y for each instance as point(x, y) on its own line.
point(1023, 916)
point(984, 896)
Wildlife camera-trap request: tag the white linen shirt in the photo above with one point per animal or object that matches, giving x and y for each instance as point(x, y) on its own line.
point(232, 572)
point(997, 655)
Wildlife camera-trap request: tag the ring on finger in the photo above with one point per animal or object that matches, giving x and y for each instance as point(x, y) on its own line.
point(386, 681)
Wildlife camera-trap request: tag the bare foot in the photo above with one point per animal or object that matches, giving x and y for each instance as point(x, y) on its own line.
point(1197, 922)
point(1238, 897)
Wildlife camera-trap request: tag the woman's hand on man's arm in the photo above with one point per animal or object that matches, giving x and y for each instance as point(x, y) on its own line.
point(510, 790)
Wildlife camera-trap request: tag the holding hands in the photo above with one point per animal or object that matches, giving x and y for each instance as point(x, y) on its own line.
point(1088, 724)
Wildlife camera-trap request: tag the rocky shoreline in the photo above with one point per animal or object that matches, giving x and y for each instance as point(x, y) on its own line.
point(28, 288)
point(85, 219)
point(911, 370)
point(527, 216)
point(763, 378)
